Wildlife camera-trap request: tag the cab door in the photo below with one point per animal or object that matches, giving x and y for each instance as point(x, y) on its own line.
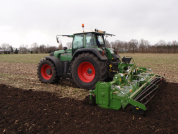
point(77, 42)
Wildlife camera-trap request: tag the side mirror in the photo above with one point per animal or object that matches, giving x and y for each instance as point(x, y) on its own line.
point(57, 39)
point(64, 48)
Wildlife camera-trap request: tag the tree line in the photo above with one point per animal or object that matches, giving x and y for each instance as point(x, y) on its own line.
point(132, 46)
point(34, 48)
point(143, 46)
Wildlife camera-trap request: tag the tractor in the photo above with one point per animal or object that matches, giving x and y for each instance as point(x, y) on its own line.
point(87, 62)
point(113, 82)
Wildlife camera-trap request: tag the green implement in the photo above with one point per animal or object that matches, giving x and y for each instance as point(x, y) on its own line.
point(135, 86)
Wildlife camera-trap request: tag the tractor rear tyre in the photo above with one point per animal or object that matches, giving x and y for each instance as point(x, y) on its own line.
point(47, 72)
point(87, 70)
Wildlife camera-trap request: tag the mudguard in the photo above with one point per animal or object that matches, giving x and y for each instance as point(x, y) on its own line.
point(93, 50)
point(58, 64)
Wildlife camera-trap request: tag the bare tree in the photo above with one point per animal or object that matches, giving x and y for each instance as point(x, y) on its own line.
point(69, 45)
point(126, 46)
point(133, 44)
point(174, 43)
point(53, 48)
point(11, 48)
point(149, 48)
point(156, 47)
point(168, 46)
point(34, 47)
point(161, 45)
point(144, 44)
point(42, 48)
point(147, 43)
point(5, 46)
point(23, 49)
point(107, 44)
point(113, 44)
point(48, 50)
point(118, 45)
point(60, 46)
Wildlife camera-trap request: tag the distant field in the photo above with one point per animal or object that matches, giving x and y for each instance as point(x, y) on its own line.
point(22, 58)
point(168, 62)
point(20, 70)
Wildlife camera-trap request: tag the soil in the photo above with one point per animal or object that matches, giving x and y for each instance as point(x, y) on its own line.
point(28, 111)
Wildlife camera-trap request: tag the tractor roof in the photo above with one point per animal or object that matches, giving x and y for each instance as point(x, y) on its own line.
point(89, 31)
point(94, 31)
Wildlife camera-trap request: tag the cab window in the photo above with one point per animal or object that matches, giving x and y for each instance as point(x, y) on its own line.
point(89, 40)
point(78, 41)
point(99, 40)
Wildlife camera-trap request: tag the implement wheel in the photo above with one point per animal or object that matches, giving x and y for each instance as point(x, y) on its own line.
point(87, 70)
point(46, 71)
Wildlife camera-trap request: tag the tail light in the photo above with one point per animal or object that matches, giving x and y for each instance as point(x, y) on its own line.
point(116, 52)
point(103, 53)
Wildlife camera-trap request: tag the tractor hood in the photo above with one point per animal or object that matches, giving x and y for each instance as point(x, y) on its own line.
point(56, 53)
point(112, 54)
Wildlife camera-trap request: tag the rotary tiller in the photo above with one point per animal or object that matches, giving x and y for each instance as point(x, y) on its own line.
point(131, 85)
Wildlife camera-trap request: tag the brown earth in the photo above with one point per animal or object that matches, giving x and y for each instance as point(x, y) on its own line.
point(28, 111)
point(24, 75)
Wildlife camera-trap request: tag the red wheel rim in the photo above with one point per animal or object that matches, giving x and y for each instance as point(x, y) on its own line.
point(86, 72)
point(44, 73)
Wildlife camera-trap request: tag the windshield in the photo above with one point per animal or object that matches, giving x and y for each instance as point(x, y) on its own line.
point(100, 40)
point(78, 41)
point(90, 42)
point(93, 40)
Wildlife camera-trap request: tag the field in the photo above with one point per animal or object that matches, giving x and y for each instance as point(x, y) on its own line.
point(19, 71)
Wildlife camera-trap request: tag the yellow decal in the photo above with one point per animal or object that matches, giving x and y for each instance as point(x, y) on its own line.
point(99, 31)
point(137, 108)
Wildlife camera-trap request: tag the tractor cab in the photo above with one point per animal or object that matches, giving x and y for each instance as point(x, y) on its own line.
point(89, 39)
point(86, 41)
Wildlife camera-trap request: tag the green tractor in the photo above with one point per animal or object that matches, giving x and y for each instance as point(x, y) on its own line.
point(114, 82)
point(87, 62)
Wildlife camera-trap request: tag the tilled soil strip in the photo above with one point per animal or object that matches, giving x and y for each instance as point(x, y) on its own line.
point(28, 111)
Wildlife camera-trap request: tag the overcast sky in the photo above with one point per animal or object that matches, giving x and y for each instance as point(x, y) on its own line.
point(29, 21)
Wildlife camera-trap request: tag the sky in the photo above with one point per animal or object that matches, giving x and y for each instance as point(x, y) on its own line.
point(23, 22)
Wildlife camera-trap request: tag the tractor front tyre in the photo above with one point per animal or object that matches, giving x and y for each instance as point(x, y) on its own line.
point(87, 70)
point(47, 72)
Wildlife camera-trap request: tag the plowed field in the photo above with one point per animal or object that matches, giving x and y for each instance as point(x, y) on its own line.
point(29, 111)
